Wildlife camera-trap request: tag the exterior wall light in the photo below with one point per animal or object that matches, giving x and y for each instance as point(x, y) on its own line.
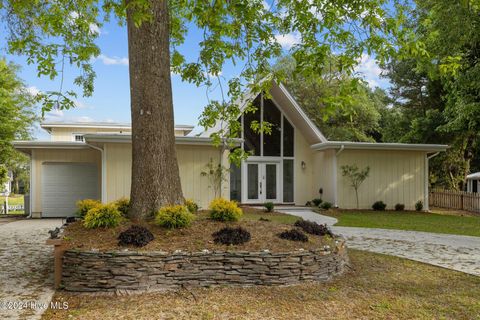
point(304, 165)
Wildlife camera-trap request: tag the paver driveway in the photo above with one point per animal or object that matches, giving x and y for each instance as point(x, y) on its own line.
point(26, 265)
point(461, 253)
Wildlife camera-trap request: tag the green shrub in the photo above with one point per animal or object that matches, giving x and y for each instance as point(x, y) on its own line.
point(399, 207)
point(326, 205)
point(191, 205)
point(308, 204)
point(123, 205)
point(317, 201)
point(102, 216)
point(83, 206)
point(173, 217)
point(419, 205)
point(269, 206)
point(224, 210)
point(379, 206)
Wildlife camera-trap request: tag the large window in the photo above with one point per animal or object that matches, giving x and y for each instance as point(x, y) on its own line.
point(287, 180)
point(235, 183)
point(288, 138)
point(272, 142)
point(252, 138)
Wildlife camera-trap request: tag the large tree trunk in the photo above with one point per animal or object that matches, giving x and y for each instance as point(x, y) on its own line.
point(155, 175)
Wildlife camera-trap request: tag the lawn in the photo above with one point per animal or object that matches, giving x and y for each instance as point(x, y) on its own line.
point(13, 200)
point(378, 287)
point(407, 220)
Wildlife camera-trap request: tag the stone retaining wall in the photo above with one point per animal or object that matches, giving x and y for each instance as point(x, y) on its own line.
point(155, 271)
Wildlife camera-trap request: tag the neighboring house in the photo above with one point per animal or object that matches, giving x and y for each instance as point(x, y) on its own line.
point(6, 189)
point(473, 182)
point(291, 166)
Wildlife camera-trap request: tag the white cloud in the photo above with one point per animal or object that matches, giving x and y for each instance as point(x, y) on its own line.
point(370, 71)
point(54, 115)
point(113, 60)
point(32, 90)
point(288, 40)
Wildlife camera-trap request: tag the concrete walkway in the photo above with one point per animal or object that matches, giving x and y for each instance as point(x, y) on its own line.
point(461, 253)
point(26, 267)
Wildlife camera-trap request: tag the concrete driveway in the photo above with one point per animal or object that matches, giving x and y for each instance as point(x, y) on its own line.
point(461, 253)
point(26, 267)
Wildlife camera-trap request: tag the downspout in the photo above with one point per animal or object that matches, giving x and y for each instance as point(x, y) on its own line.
point(104, 171)
point(335, 191)
point(426, 196)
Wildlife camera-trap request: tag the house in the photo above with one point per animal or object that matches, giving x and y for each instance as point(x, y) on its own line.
point(292, 165)
point(473, 182)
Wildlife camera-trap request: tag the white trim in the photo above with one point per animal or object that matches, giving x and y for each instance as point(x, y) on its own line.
point(33, 175)
point(379, 146)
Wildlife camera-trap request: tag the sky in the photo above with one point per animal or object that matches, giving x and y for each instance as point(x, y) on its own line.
point(111, 99)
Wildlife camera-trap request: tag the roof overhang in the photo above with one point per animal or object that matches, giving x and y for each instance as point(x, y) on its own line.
point(102, 125)
point(474, 176)
point(127, 138)
point(379, 146)
point(27, 146)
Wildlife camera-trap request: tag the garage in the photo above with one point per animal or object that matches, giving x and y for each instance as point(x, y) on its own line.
point(63, 184)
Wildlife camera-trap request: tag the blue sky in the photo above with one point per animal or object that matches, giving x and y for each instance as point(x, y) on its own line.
point(111, 99)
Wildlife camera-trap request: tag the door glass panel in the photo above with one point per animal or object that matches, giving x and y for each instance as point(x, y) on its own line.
point(252, 184)
point(272, 141)
point(287, 180)
point(252, 138)
point(271, 181)
point(288, 136)
point(235, 183)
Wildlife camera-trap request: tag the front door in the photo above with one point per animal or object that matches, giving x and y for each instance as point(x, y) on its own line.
point(262, 182)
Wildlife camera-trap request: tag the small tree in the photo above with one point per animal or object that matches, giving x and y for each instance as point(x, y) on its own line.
point(356, 177)
point(216, 174)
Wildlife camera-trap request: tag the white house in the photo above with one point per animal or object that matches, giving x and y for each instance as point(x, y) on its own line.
point(473, 182)
point(291, 166)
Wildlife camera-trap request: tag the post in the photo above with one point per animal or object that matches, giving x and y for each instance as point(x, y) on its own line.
point(6, 204)
point(461, 201)
point(58, 251)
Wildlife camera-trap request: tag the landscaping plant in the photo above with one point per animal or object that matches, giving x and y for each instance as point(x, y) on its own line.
point(173, 217)
point(231, 236)
point(224, 210)
point(123, 205)
point(313, 228)
point(379, 206)
point(83, 206)
point(269, 206)
point(294, 235)
point(419, 205)
point(399, 207)
point(316, 202)
point(102, 216)
point(137, 236)
point(326, 205)
point(192, 206)
point(356, 177)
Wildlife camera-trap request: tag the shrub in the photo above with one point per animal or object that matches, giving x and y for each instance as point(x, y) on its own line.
point(308, 204)
point(317, 201)
point(192, 206)
point(313, 228)
point(419, 205)
point(84, 205)
point(264, 219)
point(137, 236)
point(399, 207)
point(326, 205)
point(231, 236)
point(224, 210)
point(269, 206)
point(379, 206)
point(173, 217)
point(102, 216)
point(294, 235)
point(123, 205)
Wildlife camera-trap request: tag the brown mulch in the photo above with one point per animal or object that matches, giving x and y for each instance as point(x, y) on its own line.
point(197, 237)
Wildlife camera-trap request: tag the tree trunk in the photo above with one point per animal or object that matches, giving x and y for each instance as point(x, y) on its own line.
point(155, 175)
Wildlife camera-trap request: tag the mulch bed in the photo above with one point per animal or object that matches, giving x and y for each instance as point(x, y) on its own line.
point(197, 237)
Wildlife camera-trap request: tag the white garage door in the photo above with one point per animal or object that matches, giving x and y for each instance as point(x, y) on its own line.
point(63, 184)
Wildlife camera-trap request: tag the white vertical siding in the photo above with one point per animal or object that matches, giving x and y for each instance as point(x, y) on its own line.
point(323, 175)
point(303, 177)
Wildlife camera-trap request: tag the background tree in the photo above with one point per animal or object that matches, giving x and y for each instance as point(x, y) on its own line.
point(341, 105)
point(356, 177)
point(54, 33)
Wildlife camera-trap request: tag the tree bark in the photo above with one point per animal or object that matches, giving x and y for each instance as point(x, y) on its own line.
point(155, 174)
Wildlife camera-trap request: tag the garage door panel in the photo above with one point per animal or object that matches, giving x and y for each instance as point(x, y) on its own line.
point(63, 184)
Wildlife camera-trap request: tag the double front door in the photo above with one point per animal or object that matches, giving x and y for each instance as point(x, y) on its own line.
point(263, 183)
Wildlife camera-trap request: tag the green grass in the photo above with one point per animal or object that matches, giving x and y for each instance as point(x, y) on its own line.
point(13, 200)
point(416, 221)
